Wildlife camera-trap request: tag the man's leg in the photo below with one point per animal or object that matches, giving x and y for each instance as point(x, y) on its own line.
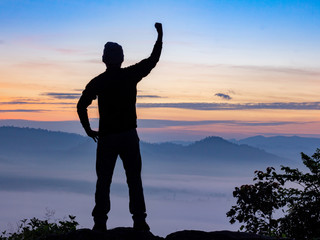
point(105, 163)
point(131, 158)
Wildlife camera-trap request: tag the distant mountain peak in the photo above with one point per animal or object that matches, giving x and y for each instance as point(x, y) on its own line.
point(211, 139)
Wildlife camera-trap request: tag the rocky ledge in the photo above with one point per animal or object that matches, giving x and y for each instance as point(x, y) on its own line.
point(122, 233)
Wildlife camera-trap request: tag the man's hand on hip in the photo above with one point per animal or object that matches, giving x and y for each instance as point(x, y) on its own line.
point(93, 134)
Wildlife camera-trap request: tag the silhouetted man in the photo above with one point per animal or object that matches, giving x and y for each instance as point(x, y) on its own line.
point(116, 90)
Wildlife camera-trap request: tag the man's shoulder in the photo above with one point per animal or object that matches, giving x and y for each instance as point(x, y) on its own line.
point(98, 78)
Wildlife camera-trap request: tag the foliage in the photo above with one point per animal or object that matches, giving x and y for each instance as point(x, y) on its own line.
point(31, 229)
point(292, 195)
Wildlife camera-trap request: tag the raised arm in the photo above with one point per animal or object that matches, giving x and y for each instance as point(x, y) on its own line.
point(158, 26)
point(156, 52)
point(144, 67)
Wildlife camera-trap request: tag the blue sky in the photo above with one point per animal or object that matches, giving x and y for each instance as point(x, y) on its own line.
point(254, 27)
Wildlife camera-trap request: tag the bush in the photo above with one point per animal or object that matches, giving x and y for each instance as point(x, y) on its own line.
point(296, 195)
point(37, 229)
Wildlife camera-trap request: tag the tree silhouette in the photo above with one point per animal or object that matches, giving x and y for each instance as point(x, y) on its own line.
point(34, 228)
point(282, 205)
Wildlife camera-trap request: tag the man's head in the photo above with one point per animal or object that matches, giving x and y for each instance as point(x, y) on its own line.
point(112, 54)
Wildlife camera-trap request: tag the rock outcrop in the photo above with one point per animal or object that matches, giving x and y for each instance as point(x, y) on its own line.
point(122, 233)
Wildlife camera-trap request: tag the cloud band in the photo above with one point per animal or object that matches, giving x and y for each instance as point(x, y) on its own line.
point(232, 106)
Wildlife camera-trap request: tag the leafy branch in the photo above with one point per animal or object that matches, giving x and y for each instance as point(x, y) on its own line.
point(300, 207)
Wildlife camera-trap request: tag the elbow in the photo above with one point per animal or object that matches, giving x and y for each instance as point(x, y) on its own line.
point(80, 108)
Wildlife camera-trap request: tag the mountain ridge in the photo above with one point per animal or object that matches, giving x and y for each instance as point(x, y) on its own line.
point(284, 146)
point(208, 155)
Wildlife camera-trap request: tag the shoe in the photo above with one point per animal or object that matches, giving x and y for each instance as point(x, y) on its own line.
point(141, 226)
point(139, 222)
point(99, 228)
point(100, 225)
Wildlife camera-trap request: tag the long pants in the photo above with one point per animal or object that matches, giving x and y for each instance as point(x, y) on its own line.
point(126, 145)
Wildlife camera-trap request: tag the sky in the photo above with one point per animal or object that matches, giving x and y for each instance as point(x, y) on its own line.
point(232, 68)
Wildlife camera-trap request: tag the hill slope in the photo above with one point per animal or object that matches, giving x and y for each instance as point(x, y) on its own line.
point(208, 156)
point(287, 147)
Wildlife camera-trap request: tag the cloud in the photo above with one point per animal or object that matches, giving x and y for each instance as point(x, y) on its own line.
point(67, 50)
point(34, 184)
point(57, 95)
point(148, 96)
point(62, 95)
point(157, 185)
point(157, 123)
point(286, 70)
point(256, 68)
point(37, 64)
point(75, 126)
point(27, 102)
point(15, 102)
point(227, 106)
point(23, 110)
point(65, 126)
point(223, 96)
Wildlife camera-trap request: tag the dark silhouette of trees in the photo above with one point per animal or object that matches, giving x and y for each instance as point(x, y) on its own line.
point(34, 228)
point(283, 204)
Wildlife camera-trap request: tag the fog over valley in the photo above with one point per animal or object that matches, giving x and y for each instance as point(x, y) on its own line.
point(186, 186)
